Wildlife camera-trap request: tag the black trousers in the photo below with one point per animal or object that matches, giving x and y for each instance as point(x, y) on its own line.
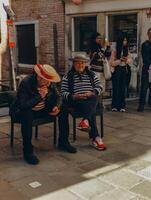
point(119, 78)
point(27, 117)
point(87, 109)
point(128, 79)
point(145, 85)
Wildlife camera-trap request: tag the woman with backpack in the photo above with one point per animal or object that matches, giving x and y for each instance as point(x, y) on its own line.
point(98, 52)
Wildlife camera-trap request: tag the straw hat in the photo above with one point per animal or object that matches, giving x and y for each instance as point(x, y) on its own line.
point(47, 72)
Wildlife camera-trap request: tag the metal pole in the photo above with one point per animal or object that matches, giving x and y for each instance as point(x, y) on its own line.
point(55, 39)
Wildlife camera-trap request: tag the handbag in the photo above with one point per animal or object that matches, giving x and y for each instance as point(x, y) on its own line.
point(149, 74)
point(107, 70)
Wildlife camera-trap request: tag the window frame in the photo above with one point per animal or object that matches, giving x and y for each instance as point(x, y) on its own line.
point(108, 14)
point(73, 28)
point(36, 27)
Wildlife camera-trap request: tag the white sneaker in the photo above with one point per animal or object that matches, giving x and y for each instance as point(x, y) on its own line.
point(114, 109)
point(122, 110)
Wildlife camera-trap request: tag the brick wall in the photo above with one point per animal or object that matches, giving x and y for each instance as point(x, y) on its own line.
point(47, 12)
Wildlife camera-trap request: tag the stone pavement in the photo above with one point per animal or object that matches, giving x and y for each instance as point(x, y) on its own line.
point(122, 172)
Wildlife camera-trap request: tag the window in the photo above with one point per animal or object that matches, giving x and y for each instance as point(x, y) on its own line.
point(125, 23)
point(26, 44)
point(84, 27)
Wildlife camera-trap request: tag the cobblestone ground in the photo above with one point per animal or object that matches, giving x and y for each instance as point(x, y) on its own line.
point(122, 172)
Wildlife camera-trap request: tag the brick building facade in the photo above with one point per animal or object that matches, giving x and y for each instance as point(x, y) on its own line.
point(35, 34)
point(43, 14)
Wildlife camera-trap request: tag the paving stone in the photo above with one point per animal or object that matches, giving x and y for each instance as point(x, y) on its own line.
point(101, 171)
point(137, 165)
point(7, 191)
point(117, 194)
point(143, 131)
point(145, 173)
point(123, 134)
point(112, 140)
point(65, 178)
point(89, 150)
point(47, 185)
point(90, 188)
point(142, 140)
point(131, 148)
point(125, 179)
point(11, 174)
point(140, 198)
point(146, 156)
point(78, 158)
point(93, 165)
point(59, 195)
point(143, 189)
point(115, 156)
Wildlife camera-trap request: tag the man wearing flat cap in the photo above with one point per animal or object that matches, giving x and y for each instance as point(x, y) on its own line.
point(80, 89)
point(37, 96)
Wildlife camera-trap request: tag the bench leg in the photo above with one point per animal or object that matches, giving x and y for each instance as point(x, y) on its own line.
point(74, 129)
point(36, 132)
point(12, 135)
point(55, 132)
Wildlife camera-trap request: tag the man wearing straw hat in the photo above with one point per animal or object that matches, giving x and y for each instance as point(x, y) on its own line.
point(37, 96)
point(80, 89)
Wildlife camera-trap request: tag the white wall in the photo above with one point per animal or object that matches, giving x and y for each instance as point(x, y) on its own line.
point(89, 6)
point(145, 24)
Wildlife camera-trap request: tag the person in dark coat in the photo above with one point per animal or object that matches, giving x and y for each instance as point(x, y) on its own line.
point(145, 83)
point(37, 96)
point(120, 61)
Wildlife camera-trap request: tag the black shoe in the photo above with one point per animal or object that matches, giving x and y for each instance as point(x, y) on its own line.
point(140, 109)
point(67, 147)
point(31, 159)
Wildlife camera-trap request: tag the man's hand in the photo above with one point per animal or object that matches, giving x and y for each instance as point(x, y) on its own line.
point(123, 59)
point(54, 111)
point(89, 94)
point(83, 95)
point(43, 92)
point(77, 96)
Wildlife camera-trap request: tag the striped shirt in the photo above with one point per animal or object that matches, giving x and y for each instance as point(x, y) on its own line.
point(81, 84)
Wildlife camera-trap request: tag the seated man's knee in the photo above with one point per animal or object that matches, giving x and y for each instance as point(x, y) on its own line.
point(27, 115)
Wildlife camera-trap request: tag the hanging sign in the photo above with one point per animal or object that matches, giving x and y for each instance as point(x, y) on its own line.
point(11, 33)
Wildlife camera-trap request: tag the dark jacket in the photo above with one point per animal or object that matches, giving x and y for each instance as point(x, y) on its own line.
point(28, 96)
point(97, 53)
point(146, 54)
